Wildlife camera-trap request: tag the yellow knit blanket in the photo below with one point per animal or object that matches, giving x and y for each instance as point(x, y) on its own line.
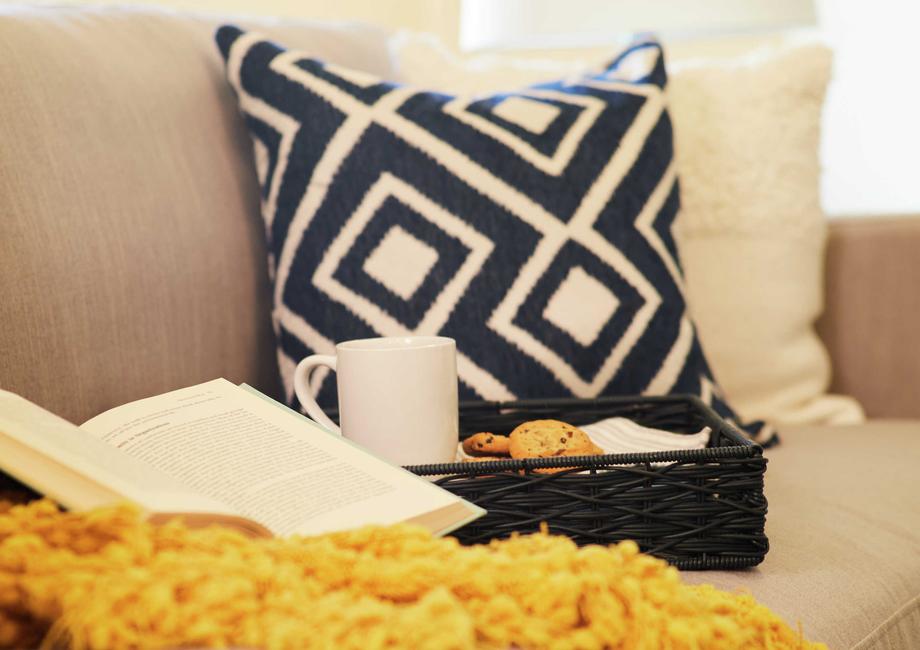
point(107, 579)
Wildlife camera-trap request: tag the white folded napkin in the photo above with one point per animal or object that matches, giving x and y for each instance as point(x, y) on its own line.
point(623, 436)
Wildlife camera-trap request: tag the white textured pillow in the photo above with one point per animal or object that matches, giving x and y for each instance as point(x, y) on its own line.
point(751, 233)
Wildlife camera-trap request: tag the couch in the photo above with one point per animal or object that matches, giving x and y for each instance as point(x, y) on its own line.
point(132, 262)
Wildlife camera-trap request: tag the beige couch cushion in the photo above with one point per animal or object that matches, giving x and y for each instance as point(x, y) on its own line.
point(131, 250)
point(844, 529)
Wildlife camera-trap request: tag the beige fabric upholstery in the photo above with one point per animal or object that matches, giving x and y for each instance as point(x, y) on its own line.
point(131, 251)
point(844, 529)
point(871, 322)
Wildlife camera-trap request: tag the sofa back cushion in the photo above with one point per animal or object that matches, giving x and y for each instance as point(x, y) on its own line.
point(132, 258)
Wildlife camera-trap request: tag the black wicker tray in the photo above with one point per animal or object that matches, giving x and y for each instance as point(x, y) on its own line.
point(697, 509)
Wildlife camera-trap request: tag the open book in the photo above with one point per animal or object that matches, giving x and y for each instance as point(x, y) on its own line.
point(218, 453)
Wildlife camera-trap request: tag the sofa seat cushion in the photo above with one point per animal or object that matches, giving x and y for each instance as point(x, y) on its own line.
point(844, 529)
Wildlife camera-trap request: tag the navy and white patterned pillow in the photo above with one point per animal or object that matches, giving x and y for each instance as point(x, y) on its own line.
point(534, 227)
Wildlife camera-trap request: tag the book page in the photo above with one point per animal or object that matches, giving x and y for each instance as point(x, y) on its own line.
point(77, 470)
point(268, 463)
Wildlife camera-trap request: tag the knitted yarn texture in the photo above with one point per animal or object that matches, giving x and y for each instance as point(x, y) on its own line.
point(108, 579)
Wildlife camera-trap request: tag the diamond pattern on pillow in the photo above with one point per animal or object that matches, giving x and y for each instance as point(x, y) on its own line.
point(534, 227)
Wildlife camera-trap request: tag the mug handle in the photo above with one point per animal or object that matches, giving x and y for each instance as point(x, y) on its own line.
point(305, 396)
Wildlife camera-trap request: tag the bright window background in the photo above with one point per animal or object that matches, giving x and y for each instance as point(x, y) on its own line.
point(544, 24)
point(871, 141)
point(871, 138)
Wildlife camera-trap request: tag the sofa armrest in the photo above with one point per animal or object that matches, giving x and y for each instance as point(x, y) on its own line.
point(871, 322)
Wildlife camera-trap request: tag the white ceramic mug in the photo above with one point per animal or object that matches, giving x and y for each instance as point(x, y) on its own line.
point(397, 396)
